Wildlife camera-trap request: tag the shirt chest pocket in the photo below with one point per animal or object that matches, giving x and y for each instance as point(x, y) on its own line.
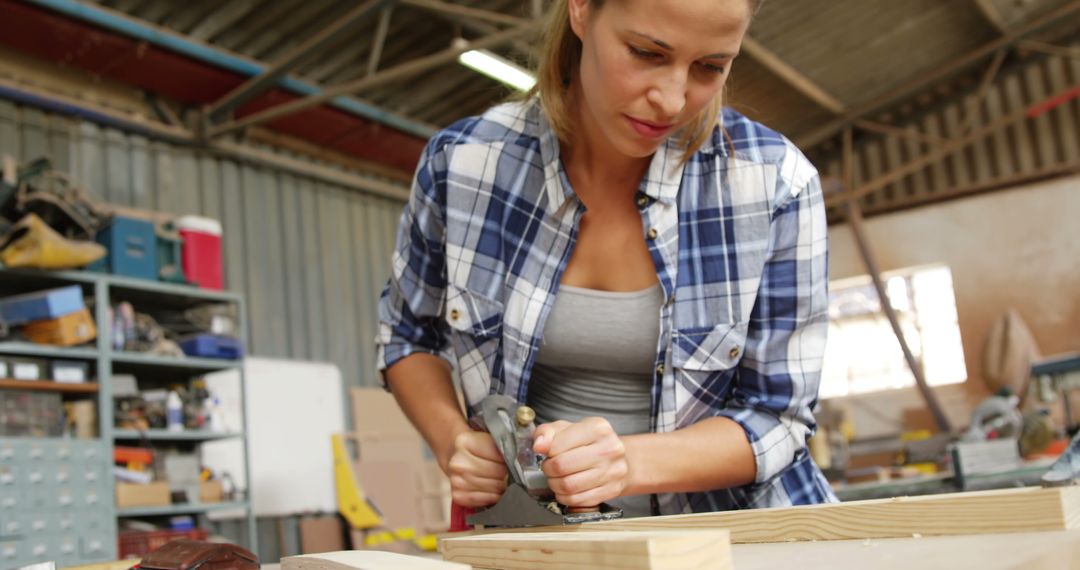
point(473, 314)
point(705, 362)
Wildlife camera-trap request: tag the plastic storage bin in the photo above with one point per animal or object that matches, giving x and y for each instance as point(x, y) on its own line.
point(200, 255)
point(213, 346)
point(132, 246)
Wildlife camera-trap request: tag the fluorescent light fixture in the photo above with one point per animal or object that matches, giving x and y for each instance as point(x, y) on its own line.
point(497, 68)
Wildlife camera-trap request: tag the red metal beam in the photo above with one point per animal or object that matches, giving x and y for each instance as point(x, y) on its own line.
point(53, 37)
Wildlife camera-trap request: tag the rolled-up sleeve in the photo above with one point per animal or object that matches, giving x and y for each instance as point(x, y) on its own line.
point(411, 306)
point(777, 381)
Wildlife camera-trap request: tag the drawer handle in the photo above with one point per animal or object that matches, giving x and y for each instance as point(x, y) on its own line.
point(38, 525)
point(39, 550)
point(36, 477)
point(9, 502)
point(7, 479)
point(95, 545)
point(67, 548)
point(65, 500)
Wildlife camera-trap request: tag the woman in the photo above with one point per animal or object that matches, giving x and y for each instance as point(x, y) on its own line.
point(645, 271)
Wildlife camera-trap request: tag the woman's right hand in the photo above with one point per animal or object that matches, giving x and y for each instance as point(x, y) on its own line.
point(476, 470)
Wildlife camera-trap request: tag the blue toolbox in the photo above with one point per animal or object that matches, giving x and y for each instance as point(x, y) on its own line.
point(41, 305)
point(132, 245)
point(213, 346)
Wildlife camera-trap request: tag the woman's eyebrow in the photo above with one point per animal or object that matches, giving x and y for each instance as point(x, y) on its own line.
point(665, 45)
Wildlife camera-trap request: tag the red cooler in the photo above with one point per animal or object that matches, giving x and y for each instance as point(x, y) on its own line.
point(200, 254)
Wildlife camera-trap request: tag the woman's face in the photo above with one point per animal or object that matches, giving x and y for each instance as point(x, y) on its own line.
point(648, 67)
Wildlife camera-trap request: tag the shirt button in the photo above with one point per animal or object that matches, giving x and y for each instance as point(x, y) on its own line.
point(642, 201)
point(653, 233)
point(734, 353)
point(455, 314)
point(660, 369)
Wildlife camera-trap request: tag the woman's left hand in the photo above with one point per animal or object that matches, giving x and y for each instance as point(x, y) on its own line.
point(586, 461)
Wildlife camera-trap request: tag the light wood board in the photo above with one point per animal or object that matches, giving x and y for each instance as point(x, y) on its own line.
point(1058, 550)
point(656, 550)
point(366, 560)
point(985, 512)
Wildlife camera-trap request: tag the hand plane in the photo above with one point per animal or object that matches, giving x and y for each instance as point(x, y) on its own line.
point(1066, 470)
point(528, 501)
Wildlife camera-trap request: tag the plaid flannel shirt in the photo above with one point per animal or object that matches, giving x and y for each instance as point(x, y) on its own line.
point(738, 237)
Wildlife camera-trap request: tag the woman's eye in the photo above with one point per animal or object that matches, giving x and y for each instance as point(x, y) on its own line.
point(712, 68)
point(642, 53)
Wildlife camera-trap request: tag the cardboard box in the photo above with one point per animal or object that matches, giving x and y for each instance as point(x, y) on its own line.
point(68, 330)
point(149, 495)
point(394, 489)
point(210, 491)
point(376, 412)
point(380, 449)
point(321, 534)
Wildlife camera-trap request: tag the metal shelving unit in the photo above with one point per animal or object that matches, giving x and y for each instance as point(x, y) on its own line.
point(185, 509)
point(165, 435)
point(45, 351)
point(104, 290)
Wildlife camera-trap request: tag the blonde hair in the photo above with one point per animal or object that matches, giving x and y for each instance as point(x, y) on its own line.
point(560, 56)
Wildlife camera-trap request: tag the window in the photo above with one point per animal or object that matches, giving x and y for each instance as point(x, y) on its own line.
point(862, 354)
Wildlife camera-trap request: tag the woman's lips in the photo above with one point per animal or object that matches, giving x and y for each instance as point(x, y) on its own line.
point(648, 129)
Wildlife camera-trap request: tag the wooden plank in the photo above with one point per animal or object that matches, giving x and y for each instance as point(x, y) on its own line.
point(1016, 551)
point(50, 386)
point(366, 560)
point(1008, 510)
point(655, 550)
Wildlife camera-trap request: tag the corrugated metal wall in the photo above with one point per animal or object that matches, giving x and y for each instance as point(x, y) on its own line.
point(1027, 148)
point(310, 258)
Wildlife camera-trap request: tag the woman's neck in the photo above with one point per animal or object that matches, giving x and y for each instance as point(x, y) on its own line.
point(592, 162)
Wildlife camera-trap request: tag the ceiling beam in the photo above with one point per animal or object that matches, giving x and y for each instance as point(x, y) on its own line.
point(396, 73)
point(928, 79)
point(992, 15)
point(268, 78)
point(222, 19)
point(465, 11)
point(523, 49)
point(792, 76)
point(380, 39)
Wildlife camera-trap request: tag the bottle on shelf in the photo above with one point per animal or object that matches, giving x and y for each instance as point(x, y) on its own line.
point(174, 412)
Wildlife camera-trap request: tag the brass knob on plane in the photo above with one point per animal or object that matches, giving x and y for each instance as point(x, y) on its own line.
point(525, 416)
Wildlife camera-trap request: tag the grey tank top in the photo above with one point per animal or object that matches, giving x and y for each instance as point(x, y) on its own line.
point(596, 358)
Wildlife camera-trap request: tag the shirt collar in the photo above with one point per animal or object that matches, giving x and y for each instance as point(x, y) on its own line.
point(661, 181)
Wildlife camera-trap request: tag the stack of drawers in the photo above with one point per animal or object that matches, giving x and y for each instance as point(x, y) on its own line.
point(55, 503)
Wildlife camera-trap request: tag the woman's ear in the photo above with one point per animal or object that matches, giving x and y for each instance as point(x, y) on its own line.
point(579, 16)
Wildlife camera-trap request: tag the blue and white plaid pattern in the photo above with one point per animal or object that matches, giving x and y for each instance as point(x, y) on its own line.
point(740, 251)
